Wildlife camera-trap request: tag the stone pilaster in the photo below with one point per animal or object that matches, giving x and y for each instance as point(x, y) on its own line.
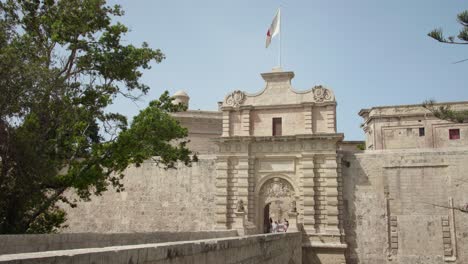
point(331, 118)
point(226, 125)
point(222, 164)
point(232, 191)
point(308, 194)
point(245, 122)
point(330, 175)
point(242, 184)
point(308, 119)
point(252, 199)
point(340, 196)
point(320, 196)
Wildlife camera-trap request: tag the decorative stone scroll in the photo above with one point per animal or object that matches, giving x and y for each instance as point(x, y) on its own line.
point(235, 99)
point(321, 94)
point(277, 188)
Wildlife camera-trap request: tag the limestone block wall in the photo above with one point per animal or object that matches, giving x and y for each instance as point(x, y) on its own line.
point(202, 127)
point(277, 248)
point(14, 244)
point(397, 206)
point(292, 121)
point(154, 200)
point(296, 120)
point(398, 127)
point(324, 119)
point(403, 133)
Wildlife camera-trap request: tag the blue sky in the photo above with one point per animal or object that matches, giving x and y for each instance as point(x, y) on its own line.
point(371, 53)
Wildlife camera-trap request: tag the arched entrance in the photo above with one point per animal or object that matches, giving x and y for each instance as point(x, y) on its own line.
point(275, 200)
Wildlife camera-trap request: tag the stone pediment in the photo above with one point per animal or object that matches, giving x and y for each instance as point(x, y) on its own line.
point(279, 91)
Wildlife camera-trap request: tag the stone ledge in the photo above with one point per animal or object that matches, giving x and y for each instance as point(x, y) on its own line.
point(159, 251)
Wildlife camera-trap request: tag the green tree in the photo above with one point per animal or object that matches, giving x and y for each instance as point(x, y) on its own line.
point(62, 62)
point(462, 36)
point(445, 112)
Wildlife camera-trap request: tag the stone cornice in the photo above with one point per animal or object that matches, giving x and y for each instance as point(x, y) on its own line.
point(322, 136)
point(278, 106)
point(199, 114)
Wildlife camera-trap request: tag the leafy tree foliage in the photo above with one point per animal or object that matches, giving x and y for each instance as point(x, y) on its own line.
point(462, 36)
point(62, 62)
point(444, 112)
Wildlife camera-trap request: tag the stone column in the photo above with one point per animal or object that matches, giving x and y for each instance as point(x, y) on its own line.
point(308, 194)
point(221, 192)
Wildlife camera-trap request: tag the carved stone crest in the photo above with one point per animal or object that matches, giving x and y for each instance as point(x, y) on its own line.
point(235, 99)
point(278, 188)
point(321, 94)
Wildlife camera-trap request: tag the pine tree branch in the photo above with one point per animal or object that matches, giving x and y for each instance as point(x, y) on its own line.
point(460, 61)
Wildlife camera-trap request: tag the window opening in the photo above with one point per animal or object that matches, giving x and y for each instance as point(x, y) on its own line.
point(454, 133)
point(422, 133)
point(277, 126)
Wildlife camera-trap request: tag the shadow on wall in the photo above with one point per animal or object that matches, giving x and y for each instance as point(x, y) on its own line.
point(353, 175)
point(310, 257)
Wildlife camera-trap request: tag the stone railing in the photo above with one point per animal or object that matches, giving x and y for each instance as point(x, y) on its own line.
point(13, 244)
point(276, 248)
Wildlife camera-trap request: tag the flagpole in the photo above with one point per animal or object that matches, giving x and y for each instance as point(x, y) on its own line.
point(280, 33)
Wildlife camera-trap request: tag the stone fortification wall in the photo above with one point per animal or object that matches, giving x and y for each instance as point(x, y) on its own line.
point(14, 244)
point(154, 200)
point(411, 126)
point(202, 127)
point(278, 248)
point(398, 206)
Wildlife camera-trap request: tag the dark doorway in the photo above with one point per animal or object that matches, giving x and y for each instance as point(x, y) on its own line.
point(266, 219)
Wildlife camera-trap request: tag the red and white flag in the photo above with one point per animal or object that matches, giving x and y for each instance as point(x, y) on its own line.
point(274, 28)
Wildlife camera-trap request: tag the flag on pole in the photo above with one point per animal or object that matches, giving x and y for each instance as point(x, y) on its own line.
point(274, 28)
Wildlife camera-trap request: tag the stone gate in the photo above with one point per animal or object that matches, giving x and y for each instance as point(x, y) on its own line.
point(278, 155)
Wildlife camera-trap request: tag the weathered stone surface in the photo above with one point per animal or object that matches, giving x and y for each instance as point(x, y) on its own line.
point(12, 244)
point(272, 249)
point(413, 187)
point(389, 204)
point(154, 200)
point(398, 127)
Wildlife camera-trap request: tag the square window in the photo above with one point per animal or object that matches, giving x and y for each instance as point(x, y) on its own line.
point(422, 133)
point(277, 129)
point(454, 133)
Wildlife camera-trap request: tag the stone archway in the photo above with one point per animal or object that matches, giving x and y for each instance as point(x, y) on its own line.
point(275, 200)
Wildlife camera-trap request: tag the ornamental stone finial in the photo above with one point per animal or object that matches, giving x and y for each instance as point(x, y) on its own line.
point(321, 94)
point(235, 99)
